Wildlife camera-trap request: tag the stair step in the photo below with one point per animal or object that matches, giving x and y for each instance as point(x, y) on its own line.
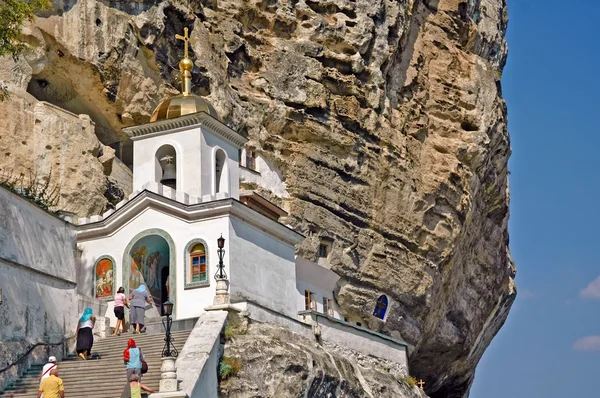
point(102, 377)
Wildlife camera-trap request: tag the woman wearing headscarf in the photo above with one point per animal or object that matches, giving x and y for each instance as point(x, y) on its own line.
point(138, 298)
point(133, 356)
point(85, 337)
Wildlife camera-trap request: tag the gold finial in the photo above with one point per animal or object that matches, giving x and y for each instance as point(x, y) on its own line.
point(186, 64)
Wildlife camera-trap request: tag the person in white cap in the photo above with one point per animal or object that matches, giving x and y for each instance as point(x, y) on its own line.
point(47, 368)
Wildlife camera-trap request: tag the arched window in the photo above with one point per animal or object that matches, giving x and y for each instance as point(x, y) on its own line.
point(381, 307)
point(221, 172)
point(196, 271)
point(166, 166)
point(198, 264)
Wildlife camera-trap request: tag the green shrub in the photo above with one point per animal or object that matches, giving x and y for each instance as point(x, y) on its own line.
point(229, 367)
point(233, 327)
point(229, 332)
point(410, 381)
point(36, 190)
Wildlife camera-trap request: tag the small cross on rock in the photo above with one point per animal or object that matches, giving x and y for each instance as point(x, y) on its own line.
point(421, 383)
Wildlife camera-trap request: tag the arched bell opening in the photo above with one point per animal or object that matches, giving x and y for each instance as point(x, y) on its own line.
point(221, 172)
point(166, 166)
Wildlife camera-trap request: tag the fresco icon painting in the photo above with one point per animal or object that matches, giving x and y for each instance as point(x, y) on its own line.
point(150, 267)
point(105, 278)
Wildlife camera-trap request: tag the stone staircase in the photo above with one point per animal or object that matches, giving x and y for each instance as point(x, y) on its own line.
point(105, 376)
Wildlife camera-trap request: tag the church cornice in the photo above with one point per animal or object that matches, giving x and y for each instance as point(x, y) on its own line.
point(201, 119)
point(186, 212)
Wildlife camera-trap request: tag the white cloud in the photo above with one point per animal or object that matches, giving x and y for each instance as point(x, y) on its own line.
point(588, 343)
point(592, 291)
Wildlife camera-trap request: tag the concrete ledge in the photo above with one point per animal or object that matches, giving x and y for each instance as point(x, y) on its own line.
point(314, 315)
point(155, 326)
point(222, 195)
point(198, 360)
point(107, 213)
point(182, 197)
point(360, 339)
point(334, 331)
point(153, 186)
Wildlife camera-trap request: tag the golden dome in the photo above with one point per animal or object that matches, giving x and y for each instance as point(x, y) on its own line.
point(185, 103)
point(181, 105)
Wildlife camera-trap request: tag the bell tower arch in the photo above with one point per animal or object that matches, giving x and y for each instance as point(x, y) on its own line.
point(186, 147)
point(166, 166)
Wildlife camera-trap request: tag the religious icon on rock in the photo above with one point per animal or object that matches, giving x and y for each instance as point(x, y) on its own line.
point(105, 281)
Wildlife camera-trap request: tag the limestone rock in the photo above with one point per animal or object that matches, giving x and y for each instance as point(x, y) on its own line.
point(384, 118)
point(39, 141)
point(278, 363)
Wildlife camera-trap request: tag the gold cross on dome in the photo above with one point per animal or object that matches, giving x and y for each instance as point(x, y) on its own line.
point(421, 383)
point(186, 39)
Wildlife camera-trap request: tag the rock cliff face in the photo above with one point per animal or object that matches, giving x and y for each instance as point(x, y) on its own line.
point(384, 119)
point(275, 362)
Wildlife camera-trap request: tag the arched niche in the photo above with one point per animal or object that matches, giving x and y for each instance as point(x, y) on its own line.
point(221, 172)
point(242, 155)
point(104, 278)
point(166, 166)
point(381, 307)
point(145, 261)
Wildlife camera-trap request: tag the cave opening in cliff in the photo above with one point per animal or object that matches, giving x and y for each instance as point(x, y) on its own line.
point(77, 87)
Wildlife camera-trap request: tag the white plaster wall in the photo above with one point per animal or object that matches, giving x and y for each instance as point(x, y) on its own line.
point(198, 360)
point(189, 303)
point(268, 177)
point(35, 306)
point(187, 144)
point(319, 294)
point(210, 142)
point(34, 238)
point(319, 280)
point(337, 333)
point(195, 148)
point(37, 279)
point(363, 341)
point(262, 269)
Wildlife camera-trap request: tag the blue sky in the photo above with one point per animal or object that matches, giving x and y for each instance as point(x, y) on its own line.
point(552, 86)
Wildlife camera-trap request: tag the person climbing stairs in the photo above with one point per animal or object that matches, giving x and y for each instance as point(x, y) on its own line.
point(104, 377)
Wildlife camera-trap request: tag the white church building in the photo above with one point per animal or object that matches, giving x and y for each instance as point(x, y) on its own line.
point(186, 195)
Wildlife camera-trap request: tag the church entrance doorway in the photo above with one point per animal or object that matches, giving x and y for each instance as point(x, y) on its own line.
point(148, 262)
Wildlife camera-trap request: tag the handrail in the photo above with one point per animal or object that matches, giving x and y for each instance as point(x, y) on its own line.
point(34, 346)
